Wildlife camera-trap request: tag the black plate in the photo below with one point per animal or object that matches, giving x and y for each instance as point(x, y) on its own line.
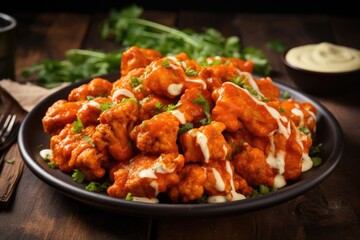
point(31, 136)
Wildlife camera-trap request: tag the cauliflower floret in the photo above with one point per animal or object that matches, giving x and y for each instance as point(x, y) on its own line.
point(97, 87)
point(113, 131)
point(147, 175)
point(58, 115)
point(157, 135)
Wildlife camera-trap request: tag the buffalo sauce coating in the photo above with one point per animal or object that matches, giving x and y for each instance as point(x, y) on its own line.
point(175, 128)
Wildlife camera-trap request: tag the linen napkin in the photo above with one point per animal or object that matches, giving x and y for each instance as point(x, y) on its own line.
point(28, 95)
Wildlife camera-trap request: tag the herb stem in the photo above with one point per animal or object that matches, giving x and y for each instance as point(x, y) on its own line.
point(86, 53)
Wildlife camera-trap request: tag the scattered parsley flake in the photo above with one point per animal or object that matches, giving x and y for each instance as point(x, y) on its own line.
point(129, 196)
point(10, 161)
point(315, 149)
point(203, 199)
point(134, 81)
point(191, 73)
point(316, 161)
point(89, 98)
point(166, 63)
point(171, 107)
point(105, 106)
point(97, 187)
point(52, 165)
point(285, 95)
point(200, 100)
point(77, 126)
point(304, 130)
point(89, 140)
point(281, 109)
point(78, 176)
point(185, 127)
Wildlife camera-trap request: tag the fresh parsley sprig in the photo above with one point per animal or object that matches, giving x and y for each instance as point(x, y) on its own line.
point(128, 29)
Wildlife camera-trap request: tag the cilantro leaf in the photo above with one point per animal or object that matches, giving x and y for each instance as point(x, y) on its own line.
point(200, 100)
point(78, 176)
point(77, 126)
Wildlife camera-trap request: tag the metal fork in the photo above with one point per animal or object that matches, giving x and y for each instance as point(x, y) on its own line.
point(8, 130)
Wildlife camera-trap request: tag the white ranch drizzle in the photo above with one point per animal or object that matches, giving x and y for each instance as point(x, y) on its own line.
point(201, 139)
point(233, 196)
point(210, 61)
point(312, 118)
point(173, 58)
point(273, 112)
point(46, 154)
point(154, 185)
point(217, 199)
point(158, 167)
point(297, 112)
point(225, 150)
point(307, 163)
point(174, 89)
point(147, 173)
point(93, 104)
point(199, 80)
point(219, 183)
point(251, 81)
point(124, 92)
point(146, 200)
point(278, 161)
point(179, 115)
point(279, 181)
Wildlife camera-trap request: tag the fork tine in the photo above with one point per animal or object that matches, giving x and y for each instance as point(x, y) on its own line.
point(4, 124)
point(7, 127)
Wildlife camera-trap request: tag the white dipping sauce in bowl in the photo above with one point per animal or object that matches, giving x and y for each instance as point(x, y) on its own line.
point(324, 57)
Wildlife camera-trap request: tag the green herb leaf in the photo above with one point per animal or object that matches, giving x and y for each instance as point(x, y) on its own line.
point(10, 161)
point(127, 29)
point(203, 199)
point(316, 161)
point(315, 149)
point(305, 130)
point(106, 106)
point(89, 140)
point(285, 95)
point(185, 127)
point(97, 187)
point(276, 45)
point(129, 196)
point(134, 81)
point(77, 126)
point(52, 165)
point(200, 100)
point(78, 176)
point(191, 73)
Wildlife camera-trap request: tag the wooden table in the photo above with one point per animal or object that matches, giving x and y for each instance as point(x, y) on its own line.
point(328, 211)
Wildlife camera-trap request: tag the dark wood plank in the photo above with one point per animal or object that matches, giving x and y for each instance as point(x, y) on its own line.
point(67, 32)
point(49, 36)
